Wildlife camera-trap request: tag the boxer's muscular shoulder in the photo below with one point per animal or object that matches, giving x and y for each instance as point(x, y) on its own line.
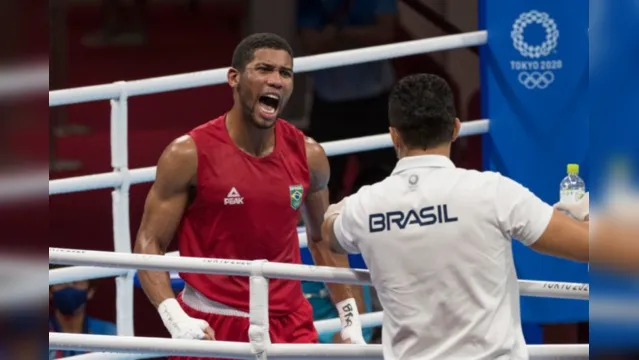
point(317, 163)
point(313, 148)
point(178, 162)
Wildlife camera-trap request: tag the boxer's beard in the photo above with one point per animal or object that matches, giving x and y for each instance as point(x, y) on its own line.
point(247, 110)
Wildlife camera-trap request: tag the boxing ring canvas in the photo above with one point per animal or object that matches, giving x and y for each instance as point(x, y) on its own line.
point(505, 156)
point(534, 75)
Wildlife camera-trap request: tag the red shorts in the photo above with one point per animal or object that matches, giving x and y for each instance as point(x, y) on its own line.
point(295, 327)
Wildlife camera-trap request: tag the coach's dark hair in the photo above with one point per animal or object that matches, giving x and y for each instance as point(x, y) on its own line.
point(421, 108)
point(245, 50)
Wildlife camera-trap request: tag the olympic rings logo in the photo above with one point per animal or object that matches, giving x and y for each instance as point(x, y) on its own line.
point(534, 17)
point(536, 80)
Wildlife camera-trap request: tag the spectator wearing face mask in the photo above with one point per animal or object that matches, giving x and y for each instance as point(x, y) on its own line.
point(68, 303)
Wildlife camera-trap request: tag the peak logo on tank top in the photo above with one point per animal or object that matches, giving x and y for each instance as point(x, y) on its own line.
point(233, 198)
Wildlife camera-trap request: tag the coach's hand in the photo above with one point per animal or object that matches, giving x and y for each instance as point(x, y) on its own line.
point(579, 210)
point(181, 325)
point(334, 209)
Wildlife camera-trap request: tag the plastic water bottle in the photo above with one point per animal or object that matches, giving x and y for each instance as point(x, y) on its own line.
point(572, 187)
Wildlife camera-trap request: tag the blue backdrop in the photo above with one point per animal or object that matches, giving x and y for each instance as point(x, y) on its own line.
point(534, 75)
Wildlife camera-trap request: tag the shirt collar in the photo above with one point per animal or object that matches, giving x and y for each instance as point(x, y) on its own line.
point(432, 161)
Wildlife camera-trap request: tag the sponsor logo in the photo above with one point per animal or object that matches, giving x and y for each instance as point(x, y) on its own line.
point(233, 198)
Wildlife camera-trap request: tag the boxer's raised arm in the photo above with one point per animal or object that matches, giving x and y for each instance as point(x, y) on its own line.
point(163, 210)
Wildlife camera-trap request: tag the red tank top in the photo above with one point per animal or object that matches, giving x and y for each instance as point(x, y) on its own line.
point(246, 208)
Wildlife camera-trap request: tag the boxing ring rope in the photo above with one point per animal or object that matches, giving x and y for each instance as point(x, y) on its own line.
point(259, 302)
point(125, 263)
point(561, 290)
point(301, 64)
point(549, 289)
point(153, 347)
point(147, 174)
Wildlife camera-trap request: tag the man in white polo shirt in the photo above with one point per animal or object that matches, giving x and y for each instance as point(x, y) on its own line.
point(437, 239)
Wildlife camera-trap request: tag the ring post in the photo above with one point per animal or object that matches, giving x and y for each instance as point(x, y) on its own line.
point(120, 205)
point(258, 310)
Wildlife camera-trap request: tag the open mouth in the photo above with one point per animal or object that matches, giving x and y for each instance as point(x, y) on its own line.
point(269, 104)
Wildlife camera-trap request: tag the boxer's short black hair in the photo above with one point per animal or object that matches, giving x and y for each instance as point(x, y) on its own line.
point(245, 50)
point(421, 108)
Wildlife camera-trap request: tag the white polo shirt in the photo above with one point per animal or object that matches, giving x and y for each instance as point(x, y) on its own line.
point(437, 242)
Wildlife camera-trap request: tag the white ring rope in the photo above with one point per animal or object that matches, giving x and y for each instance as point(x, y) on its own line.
point(528, 288)
point(270, 270)
point(147, 174)
point(81, 273)
point(237, 350)
point(301, 64)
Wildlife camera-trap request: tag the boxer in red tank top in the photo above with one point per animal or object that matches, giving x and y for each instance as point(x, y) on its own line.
point(234, 188)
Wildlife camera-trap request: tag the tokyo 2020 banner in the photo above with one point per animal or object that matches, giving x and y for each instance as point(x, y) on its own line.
point(534, 74)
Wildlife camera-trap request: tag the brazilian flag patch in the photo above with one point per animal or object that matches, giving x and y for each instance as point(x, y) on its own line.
point(296, 192)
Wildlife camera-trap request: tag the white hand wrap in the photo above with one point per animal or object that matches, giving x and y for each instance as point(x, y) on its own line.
point(578, 210)
point(179, 324)
point(351, 325)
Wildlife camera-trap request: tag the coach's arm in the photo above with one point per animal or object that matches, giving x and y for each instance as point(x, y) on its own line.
point(328, 227)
